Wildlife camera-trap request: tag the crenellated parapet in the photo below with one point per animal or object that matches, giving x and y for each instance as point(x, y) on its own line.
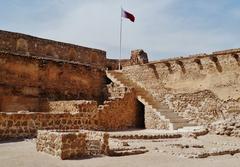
point(218, 59)
point(201, 88)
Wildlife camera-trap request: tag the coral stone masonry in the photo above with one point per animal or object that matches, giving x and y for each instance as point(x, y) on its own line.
point(72, 144)
point(78, 104)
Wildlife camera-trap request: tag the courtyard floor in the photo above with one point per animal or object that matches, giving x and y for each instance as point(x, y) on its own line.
point(161, 153)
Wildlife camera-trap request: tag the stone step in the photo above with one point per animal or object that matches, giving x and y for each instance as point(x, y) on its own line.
point(192, 128)
point(170, 114)
point(181, 125)
point(128, 152)
point(178, 121)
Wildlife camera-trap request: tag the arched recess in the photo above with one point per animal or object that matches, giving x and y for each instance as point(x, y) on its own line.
point(180, 63)
point(216, 61)
point(236, 57)
point(50, 51)
point(199, 63)
point(168, 65)
point(22, 45)
point(72, 54)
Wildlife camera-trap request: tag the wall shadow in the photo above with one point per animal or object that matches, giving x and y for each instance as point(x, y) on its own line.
point(152, 66)
point(236, 57)
point(180, 63)
point(217, 63)
point(199, 63)
point(140, 123)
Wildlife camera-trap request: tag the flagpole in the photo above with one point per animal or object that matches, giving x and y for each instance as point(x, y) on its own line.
point(120, 49)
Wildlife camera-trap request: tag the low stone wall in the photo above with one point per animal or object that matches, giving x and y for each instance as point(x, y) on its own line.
point(202, 107)
point(119, 113)
point(228, 127)
point(116, 114)
point(25, 125)
point(72, 144)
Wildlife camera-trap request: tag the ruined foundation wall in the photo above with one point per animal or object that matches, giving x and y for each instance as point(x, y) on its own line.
point(201, 88)
point(119, 113)
point(27, 82)
point(22, 125)
point(115, 114)
point(29, 45)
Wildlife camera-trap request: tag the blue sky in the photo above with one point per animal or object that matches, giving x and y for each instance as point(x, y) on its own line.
point(163, 28)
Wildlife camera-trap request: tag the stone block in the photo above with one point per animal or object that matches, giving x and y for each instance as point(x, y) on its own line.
point(72, 144)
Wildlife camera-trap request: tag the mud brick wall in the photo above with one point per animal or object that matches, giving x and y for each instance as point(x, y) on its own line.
point(75, 144)
point(29, 45)
point(201, 88)
point(27, 82)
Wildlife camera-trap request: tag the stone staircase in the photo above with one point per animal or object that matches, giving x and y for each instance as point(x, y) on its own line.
point(174, 120)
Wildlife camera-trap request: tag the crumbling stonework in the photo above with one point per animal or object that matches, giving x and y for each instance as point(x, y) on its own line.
point(119, 112)
point(228, 127)
point(115, 114)
point(138, 57)
point(201, 107)
point(72, 144)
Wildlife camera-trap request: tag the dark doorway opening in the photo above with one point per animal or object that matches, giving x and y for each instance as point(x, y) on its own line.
point(140, 115)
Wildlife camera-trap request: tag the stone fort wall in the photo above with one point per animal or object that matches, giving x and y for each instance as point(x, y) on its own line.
point(34, 46)
point(201, 88)
point(26, 82)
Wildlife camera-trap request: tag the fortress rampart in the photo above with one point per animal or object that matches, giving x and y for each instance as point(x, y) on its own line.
point(201, 88)
point(26, 82)
point(34, 46)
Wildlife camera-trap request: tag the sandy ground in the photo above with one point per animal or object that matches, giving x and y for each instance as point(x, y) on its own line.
point(24, 154)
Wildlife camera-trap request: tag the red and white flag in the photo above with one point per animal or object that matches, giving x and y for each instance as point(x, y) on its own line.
point(128, 15)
